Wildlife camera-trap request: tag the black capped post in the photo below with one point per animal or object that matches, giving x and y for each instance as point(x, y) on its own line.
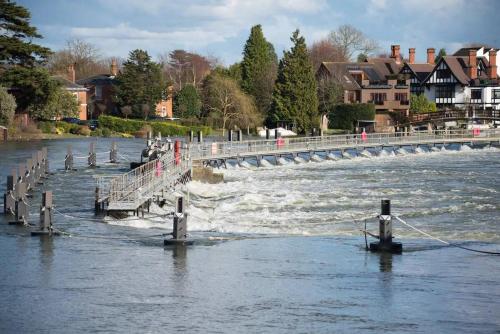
point(268, 133)
point(385, 243)
point(179, 231)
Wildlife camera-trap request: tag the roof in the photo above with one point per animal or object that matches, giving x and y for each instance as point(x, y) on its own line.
point(421, 71)
point(459, 65)
point(69, 85)
point(100, 79)
point(463, 52)
point(376, 70)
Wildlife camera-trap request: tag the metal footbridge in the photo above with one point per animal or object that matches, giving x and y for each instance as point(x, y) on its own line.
point(138, 187)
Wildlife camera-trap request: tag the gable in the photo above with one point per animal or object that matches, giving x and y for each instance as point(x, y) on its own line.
point(442, 74)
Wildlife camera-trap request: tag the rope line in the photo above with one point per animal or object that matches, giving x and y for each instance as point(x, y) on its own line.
point(443, 241)
point(101, 220)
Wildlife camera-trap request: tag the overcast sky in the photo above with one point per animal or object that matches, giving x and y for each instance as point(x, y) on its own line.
point(219, 28)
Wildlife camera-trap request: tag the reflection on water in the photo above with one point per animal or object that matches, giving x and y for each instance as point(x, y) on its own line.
point(385, 260)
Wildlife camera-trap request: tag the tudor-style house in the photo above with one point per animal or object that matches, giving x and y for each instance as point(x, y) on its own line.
point(468, 79)
point(418, 72)
point(375, 81)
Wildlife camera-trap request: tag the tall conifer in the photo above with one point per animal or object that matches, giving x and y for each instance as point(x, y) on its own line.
point(294, 97)
point(258, 69)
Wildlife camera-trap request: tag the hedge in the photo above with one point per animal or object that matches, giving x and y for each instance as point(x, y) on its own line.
point(345, 116)
point(132, 126)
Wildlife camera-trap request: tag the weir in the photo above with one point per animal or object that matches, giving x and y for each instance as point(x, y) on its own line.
point(153, 180)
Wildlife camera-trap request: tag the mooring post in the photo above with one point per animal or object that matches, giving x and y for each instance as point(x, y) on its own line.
point(30, 174)
point(321, 132)
point(68, 159)
point(41, 163)
point(191, 136)
point(179, 231)
point(9, 200)
point(276, 133)
point(385, 243)
point(21, 211)
point(36, 167)
point(200, 137)
point(239, 135)
point(97, 207)
point(113, 153)
point(229, 135)
point(45, 155)
point(92, 159)
point(46, 216)
point(22, 173)
point(268, 134)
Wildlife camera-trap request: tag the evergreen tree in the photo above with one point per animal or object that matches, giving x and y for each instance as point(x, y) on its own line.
point(7, 107)
point(34, 86)
point(140, 83)
point(187, 103)
point(258, 69)
point(16, 34)
point(295, 98)
point(441, 54)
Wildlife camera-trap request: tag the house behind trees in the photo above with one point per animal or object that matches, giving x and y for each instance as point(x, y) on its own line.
point(377, 81)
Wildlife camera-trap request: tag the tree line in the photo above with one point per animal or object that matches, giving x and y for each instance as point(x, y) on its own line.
point(262, 89)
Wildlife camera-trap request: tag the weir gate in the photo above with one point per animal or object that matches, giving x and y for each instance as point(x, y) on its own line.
point(152, 181)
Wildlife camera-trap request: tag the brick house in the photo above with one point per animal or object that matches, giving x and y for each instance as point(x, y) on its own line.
point(376, 81)
point(101, 91)
point(79, 91)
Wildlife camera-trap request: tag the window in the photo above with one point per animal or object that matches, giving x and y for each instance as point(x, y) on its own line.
point(475, 94)
point(378, 98)
point(495, 95)
point(416, 89)
point(98, 92)
point(443, 74)
point(444, 92)
point(402, 98)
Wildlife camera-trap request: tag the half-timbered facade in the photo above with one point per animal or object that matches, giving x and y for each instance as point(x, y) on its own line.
point(460, 81)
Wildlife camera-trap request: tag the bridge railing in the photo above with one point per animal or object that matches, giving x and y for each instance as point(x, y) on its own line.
point(455, 114)
point(217, 150)
point(134, 187)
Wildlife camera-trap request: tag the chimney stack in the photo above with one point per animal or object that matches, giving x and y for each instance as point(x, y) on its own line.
point(492, 70)
point(395, 53)
point(114, 67)
point(411, 53)
point(431, 55)
point(71, 73)
point(472, 65)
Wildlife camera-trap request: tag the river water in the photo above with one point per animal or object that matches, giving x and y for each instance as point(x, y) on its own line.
point(277, 250)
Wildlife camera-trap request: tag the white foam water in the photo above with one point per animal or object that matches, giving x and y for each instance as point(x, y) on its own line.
point(332, 156)
point(365, 154)
point(265, 163)
point(465, 148)
point(401, 151)
point(419, 150)
point(245, 164)
point(316, 158)
point(299, 160)
point(346, 155)
point(283, 161)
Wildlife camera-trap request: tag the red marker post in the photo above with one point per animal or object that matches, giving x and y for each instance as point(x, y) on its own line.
point(177, 152)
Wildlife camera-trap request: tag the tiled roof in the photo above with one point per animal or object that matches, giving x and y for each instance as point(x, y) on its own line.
point(68, 84)
point(100, 79)
point(421, 70)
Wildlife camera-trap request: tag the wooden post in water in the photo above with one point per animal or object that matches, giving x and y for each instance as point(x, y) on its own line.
point(46, 216)
point(68, 159)
point(113, 153)
point(92, 159)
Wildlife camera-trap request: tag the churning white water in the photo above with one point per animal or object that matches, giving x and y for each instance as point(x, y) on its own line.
point(452, 194)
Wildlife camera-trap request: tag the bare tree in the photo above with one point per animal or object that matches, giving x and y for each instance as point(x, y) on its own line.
point(85, 56)
point(145, 108)
point(324, 50)
point(223, 97)
point(350, 40)
point(182, 67)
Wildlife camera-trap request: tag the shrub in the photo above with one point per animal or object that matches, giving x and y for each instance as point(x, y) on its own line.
point(143, 132)
point(132, 126)
point(47, 127)
point(83, 130)
point(345, 116)
point(106, 132)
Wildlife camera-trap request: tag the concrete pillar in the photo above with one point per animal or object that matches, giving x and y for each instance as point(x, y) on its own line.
point(239, 135)
point(68, 159)
point(200, 137)
point(276, 134)
point(385, 243)
point(113, 153)
point(191, 136)
point(268, 133)
point(229, 135)
point(92, 159)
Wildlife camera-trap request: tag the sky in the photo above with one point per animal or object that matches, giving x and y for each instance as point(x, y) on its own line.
point(219, 28)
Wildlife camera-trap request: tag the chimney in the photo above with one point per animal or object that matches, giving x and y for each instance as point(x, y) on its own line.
point(492, 70)
point(431, 55)
point(411, 55)
point(472, 65)
point(71, 73)
point(395, 53)
point(114, 67)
